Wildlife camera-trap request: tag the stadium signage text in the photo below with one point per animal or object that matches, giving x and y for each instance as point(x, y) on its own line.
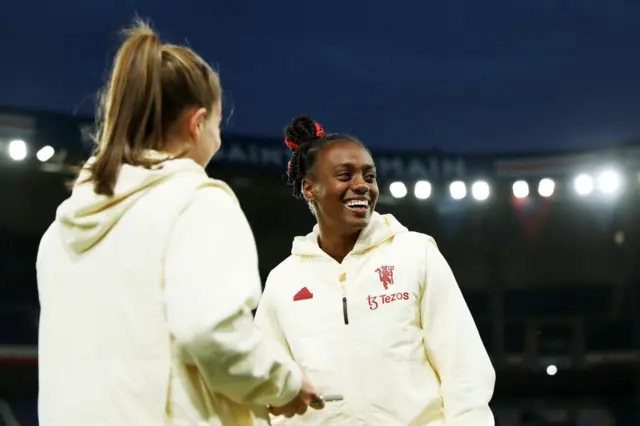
point(264, 156)
point(260, 155)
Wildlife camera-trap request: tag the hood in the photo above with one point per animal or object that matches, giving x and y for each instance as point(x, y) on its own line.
point(380, 229)
point(86, 217)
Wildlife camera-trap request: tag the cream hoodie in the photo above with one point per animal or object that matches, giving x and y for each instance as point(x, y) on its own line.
point(146, 301)
point(388, 329)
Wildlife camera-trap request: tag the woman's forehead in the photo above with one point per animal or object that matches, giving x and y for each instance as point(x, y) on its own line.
point(345, 152)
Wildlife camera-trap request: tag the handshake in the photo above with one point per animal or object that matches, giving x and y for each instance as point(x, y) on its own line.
point(308, 397)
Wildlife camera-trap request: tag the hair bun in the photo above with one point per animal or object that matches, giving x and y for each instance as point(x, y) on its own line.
point(302, 130)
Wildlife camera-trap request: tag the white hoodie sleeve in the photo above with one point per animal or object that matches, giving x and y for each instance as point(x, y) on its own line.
point(212, 284)
point(454, 347)
point(267, 317)
point(267, 320)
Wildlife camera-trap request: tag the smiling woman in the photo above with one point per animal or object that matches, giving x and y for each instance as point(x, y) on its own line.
point(370, 310)
point(335, 174)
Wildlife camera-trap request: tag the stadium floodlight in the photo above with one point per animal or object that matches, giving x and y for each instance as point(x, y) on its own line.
point(398, 189)
point(45, 153)
point(546, 187)
point(618, 238)
point(480, 190)
point(609, 181)
point(458, 190)
point(422, 190)
point(552, 370)
point(520, 189)
point(18, 150)
point(583, 184)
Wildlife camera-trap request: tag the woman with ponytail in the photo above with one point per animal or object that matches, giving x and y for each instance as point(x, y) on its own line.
point(149, 273)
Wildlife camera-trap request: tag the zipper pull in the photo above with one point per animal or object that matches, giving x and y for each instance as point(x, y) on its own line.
point(344, 310)
point(345, 314)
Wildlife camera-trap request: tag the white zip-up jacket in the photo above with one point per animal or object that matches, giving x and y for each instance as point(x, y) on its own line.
point(146, 301)
point(388, 329)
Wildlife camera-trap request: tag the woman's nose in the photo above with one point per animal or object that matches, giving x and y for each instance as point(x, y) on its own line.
point(360, 187)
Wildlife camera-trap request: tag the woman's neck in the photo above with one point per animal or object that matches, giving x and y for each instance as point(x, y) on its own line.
point(336, 245)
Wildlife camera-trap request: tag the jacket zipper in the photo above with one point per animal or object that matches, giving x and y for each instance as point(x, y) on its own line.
point(345, 313)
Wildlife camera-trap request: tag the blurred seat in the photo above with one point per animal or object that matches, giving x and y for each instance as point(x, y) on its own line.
point(610, 335)
point(23, 410)
point(18, 327)
point(578, 300)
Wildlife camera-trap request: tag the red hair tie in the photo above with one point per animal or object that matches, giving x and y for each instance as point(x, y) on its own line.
point(290, 144)
point(293, 146)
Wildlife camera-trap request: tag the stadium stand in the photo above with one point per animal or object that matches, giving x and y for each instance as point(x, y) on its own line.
point(553, 282)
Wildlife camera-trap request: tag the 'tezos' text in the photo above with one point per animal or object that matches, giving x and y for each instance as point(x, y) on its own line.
point(384, 299)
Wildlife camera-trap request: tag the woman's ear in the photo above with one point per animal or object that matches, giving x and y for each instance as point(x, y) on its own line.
point(309, 190)
point(195, 122)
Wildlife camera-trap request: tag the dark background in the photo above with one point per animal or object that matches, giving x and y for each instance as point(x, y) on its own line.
point(550, 281)
point(457, 75)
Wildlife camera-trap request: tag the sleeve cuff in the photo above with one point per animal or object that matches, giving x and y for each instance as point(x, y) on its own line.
point(293, 384)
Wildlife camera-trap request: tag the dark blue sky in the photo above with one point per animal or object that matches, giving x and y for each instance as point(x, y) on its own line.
point(458, 75)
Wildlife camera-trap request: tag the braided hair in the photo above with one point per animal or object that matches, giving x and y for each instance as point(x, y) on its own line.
point(306, 137)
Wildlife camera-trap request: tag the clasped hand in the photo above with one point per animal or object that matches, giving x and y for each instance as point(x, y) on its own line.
point(308, 397)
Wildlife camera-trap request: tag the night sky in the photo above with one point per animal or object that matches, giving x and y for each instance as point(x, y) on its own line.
point(491, 75)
